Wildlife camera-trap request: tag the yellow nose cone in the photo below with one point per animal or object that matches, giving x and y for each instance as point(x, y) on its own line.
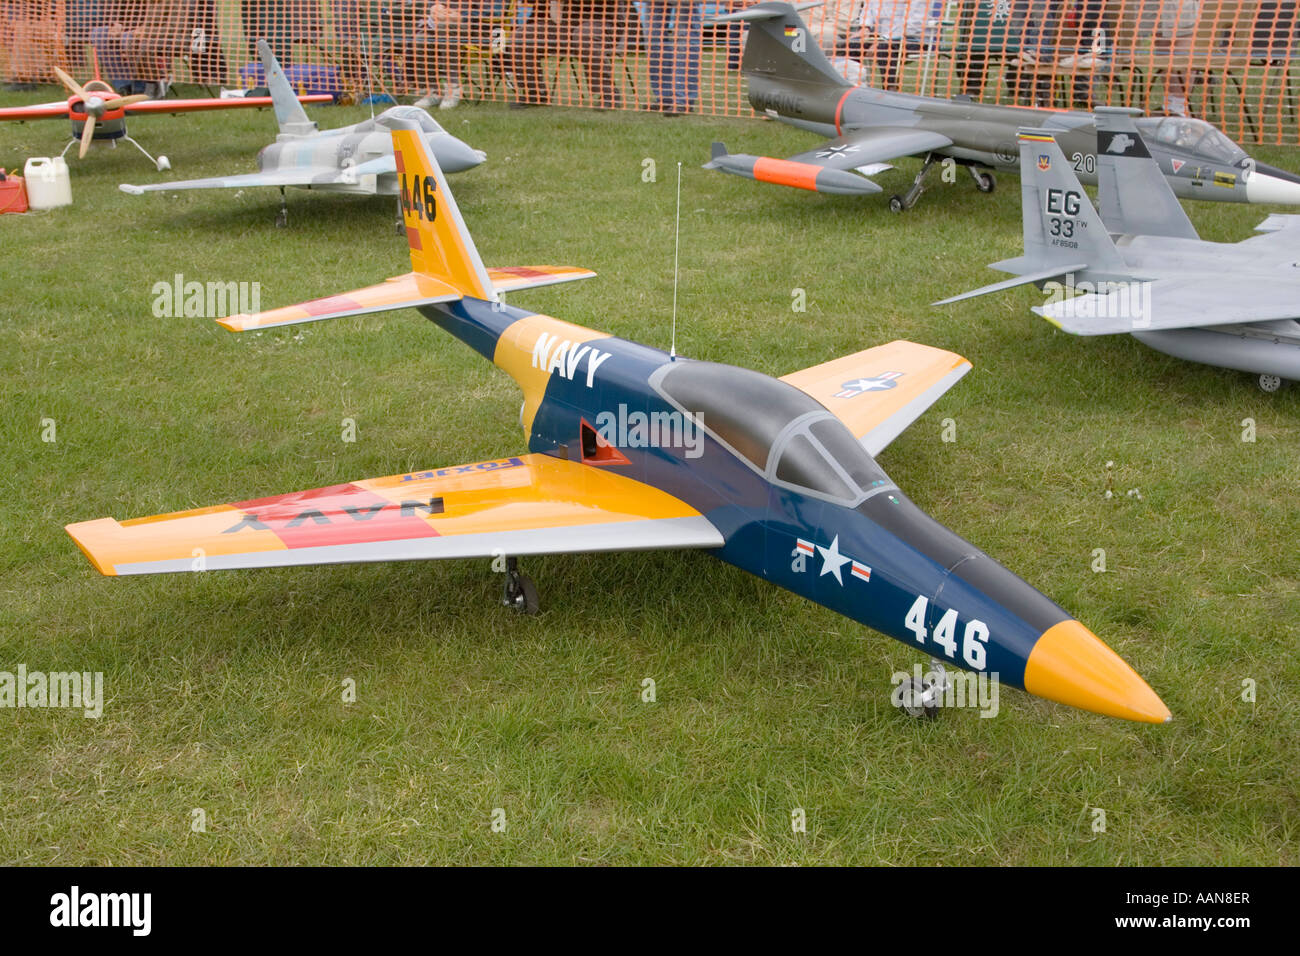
point(1071, 665)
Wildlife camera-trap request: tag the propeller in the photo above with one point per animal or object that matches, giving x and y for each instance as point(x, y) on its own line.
point(95, 106)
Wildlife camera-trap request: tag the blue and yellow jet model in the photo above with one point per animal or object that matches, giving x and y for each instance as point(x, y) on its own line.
point(633, 448)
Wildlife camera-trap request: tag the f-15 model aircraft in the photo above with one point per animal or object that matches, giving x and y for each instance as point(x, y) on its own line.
point(98, 114)
point(792, 81)
point(1142, 269)
point(633, 448)
point(350, 159)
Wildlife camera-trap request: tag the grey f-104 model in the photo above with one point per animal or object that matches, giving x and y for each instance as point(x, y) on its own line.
point(1140, 267)
point(791, 80)
point(350, 159)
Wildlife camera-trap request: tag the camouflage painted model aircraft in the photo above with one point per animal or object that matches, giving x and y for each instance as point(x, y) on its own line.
point(350, 159)
point(792, 81)
point(98, 114)
point(1141, 267)
point(632, 448)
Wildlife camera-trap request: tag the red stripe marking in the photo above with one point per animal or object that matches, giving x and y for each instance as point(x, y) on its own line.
point(839, 110)
point(332, 303)
point(413, 237)
point(522, 271)
point(306, 519)
point(397, 158)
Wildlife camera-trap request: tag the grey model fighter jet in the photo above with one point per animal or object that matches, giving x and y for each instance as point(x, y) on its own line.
point(1140, 267)
point(350, 159)
point(791, 80)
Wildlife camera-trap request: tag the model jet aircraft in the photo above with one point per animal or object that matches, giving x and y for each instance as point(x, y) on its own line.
point(633, 448)
point(792, 81)
point(98, 114)
point(350, 159)
point(1142, 269)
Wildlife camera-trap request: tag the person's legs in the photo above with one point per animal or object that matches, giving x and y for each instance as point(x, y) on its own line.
point(592, 40)
point(690, 27)
point(528, 44)
point(658, 16)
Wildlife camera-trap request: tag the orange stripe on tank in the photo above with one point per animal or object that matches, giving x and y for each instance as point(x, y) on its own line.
point(783, 172)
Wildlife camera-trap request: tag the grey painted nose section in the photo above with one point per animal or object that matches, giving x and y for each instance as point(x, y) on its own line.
point(455, 156)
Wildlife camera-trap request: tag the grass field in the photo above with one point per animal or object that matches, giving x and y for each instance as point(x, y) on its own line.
point(223, 692)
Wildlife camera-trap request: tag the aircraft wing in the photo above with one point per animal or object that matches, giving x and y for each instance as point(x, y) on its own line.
point(1176, 304)
point(35, 111)
point(533, 504)
point(875, 144)
point(878, 392)
point(305, 176)
point(215, 103)
point(830, 168)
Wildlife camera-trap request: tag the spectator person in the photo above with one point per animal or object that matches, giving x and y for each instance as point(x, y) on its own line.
point(1177, 28)
point(586, 29)
point(674, 34)
point(886, 31)
point(447, 25)
point(831, 22)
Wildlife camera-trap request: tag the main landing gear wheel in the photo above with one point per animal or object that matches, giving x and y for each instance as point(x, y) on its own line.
point(985, 181)
point(1270, 383)
point(163, 164)
point(520, 592)
point(282, 217)
point(908, 200)
point(922, 697)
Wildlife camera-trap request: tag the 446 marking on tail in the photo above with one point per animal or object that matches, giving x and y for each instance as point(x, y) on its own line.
point(417, 196)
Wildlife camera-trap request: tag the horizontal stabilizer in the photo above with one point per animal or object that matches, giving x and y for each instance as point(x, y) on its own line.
point(510, 278)
point(1043, 275)
point(1166, 304)
point(400, 292)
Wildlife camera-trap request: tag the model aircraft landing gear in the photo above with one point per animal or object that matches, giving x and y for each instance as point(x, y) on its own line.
point(921, 697)
point(908, 200)
point(985, 181)
point(1270, 383)
point(282, 217)
point(162, 162)
point(520, 592)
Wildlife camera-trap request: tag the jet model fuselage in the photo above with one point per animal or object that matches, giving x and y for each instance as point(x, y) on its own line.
point(791, 80)
point(797, 498)
point(351, 147)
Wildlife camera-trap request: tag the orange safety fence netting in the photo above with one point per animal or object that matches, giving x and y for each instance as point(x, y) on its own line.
point(1229, 61)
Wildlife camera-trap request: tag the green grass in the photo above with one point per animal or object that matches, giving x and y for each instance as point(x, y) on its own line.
point(224, 690)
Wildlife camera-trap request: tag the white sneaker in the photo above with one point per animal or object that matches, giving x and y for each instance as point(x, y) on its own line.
point(452, 97)
point(424, 102)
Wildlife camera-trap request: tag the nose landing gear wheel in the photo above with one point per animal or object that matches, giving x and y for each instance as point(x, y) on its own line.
point(1270, 383)
point(922, 697)
point(985, 181)
point(520, 592)
point(896, 203)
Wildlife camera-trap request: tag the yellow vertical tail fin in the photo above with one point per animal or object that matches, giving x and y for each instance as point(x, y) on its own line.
point(441, 246)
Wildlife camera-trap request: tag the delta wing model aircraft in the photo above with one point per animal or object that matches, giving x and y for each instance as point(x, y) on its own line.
point(633, 448)
point(98, 114)
point(791, 80)
point(350, 159)
point(1140, 267)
